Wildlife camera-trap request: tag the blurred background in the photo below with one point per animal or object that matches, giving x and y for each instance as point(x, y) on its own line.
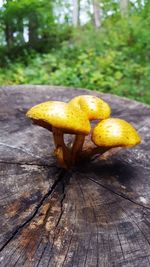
point(96, 44)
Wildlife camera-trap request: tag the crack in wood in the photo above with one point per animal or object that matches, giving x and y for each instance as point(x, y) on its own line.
point(61, 175)
point(42, 254)
point(132, 215)
point(59, 218)
point(67, 251)
point(61, 203)
point(11, 256)
point(118, 194)
point(94, 214)
point(20, 149)
point(44, 222)
point(27, 164)
point(87, 250)
point(118, 236)
point(142, 233)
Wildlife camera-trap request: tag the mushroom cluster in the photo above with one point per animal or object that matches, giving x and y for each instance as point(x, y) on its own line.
point(107, 137)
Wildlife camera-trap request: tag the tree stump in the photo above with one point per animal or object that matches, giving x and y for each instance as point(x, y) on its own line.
point(97, 214)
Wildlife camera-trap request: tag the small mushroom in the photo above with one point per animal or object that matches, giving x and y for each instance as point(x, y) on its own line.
point(113, 134)
point(95, 109)
point(60, 118)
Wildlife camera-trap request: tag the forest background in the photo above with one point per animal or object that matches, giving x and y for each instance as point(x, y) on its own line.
point(101, 45)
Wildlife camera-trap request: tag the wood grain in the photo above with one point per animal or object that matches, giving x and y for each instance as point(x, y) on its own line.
point(97, 214)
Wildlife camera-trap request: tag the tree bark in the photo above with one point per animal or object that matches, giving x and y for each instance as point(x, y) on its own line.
point(123, 7)
point(76, 13)
point(96, 11)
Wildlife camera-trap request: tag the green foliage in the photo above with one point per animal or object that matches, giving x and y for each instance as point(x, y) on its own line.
point(107, 71)
point(34, 17)
point(114, 59)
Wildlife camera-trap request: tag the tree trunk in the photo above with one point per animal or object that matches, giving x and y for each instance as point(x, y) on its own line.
point(123, 7)
point(21, 31)
point(8, 34)
point(96, 11)
point(76, 12)
point(33, 30)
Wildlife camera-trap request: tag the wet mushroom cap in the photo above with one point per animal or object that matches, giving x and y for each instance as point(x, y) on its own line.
point(115, 132)
point(94, 107)
point(60, 115)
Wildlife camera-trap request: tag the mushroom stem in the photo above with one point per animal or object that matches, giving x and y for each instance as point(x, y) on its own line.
point(110, 152)
point(58, 137)
point(61, 152)
point(77, 146)
point(103, 153)
point(91, 151)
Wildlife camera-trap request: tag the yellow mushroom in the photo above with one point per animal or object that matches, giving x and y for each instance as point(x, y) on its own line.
point(94, 107)
point(60, 118)
point(114, 132)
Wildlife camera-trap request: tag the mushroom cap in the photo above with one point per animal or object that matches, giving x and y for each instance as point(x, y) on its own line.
point(60, 115)
point(94, 107)
point(114, 132)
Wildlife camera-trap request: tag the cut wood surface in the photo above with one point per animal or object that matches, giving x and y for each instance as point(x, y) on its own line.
point(97, 214)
